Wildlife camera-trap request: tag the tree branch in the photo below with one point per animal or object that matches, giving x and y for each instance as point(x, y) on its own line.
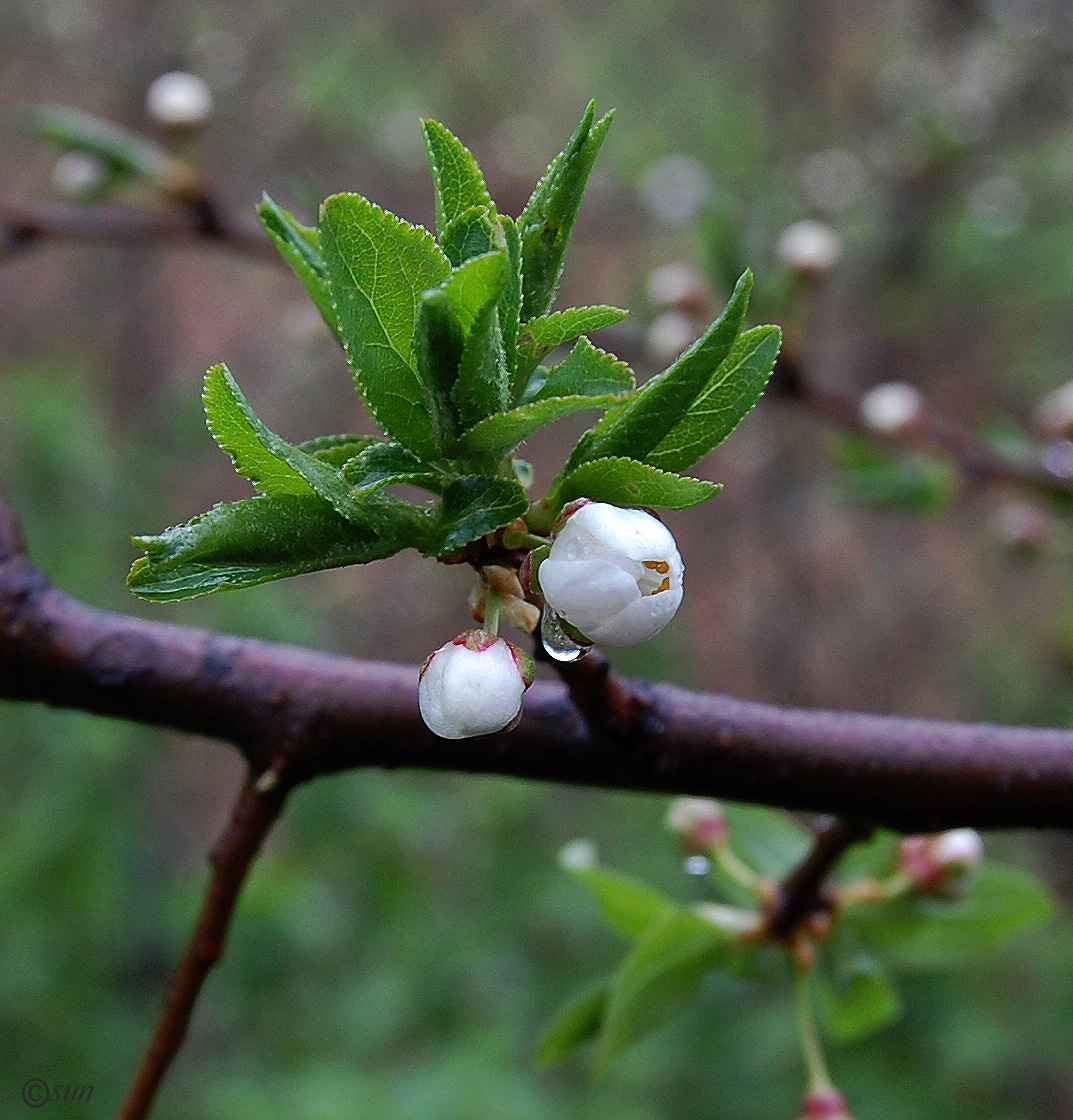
point(251, 819)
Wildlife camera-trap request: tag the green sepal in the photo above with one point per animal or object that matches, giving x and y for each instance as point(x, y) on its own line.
point(457, 179)
point(379, 266)
point(854, 998)
point(387, 464)
point(267, 538)
point(626, 482)
point(473, 506)
point(576, 1023)
point(541, 335)
point(548, 218)
point(635, 428)
point(659, 975)
point(929, 931)
point(627, 904)
point(729, 396)
point(299, 246)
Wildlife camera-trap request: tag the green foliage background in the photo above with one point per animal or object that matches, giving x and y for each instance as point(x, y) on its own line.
point(406, 937)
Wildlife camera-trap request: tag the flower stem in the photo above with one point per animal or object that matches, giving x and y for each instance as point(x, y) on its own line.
point(491, 612)
point(819, 1080)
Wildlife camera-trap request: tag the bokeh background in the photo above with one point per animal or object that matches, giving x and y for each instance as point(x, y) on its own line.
point(406, 936)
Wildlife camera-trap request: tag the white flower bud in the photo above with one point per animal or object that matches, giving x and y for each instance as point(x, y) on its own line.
point(78, 174)
point(890, 407)
point(578, 855)
point(473, 686)
point(178, 100)
point(613, 574)
point(698, 821)
point(809, 248)
point(958, 849)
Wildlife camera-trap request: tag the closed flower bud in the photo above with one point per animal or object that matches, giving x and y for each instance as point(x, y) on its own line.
point(613, 574)
point(959, 849)
point(178, 100)
point(891, 407)
point(824, 1104)
point(941, 864)
point(473, 686)
point(699, 822)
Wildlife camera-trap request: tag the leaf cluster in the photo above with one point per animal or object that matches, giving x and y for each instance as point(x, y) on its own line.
point(445, 336)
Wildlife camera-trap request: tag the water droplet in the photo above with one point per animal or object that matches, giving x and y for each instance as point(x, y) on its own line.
point(558, 643)
point(697, 865)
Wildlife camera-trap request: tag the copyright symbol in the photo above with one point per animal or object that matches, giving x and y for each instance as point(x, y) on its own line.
point(35, 1092)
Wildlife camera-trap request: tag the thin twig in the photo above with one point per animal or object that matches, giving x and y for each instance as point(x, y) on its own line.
point(251, 819)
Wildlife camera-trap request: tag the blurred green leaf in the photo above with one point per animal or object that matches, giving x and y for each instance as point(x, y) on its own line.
point(768, 840)
point(731, 393)
point(379, 266)
point(665, 967)
point(926, 931)
point(387, 464)
point(457, 179)
point(626, 482)
point(872, 475)
point(541, 335)
point(576, 1023)
point(473, 506)
point(300, 247)
point(268, 538)
point(635, 428)
point(548, 217)
point(856, 1000)
point(629, 905)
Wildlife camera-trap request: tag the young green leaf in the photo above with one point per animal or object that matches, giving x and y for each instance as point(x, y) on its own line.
point(510, 302)
point(475, 284)
point(548, 218)
point(627, 904)
point(731, 393)
point(387, 464)
point(268, 538)
point(379, 266)
point(456, 177)
point(541, 335)
point(300, 247)
point(473, 506)
point(481, 388)
point(666, 965)
point(336, 450)
point(473, 233)
point(586, 371)
point(575, 1024)
point(507, 429)
point(438, 342)
point(626, 482)
point(857, 1000)
point(636, 427)
point(925, 931)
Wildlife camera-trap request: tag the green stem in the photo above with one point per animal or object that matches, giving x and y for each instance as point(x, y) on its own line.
point(739, 871)
point(491, 612)
point(819, 1080)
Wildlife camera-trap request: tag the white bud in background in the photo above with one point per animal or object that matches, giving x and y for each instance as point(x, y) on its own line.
point(178, 100)
point(613, 574)
point(698, 821)
point(891, 407)
point(473, 686)
point(78, 174)
point(680, 286)
point(960, 849)
point(669, 336)
point(1054, 412)
point(809, 248)
point(578, 855)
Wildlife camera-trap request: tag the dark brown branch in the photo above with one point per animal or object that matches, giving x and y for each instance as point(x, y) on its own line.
point(801, 893)
point(335, 713)
point(251, 819)
point(24, 225)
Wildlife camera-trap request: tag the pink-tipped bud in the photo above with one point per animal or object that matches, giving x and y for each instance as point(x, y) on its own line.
point(698, 822)
point(941, 863)
point(825, 1104)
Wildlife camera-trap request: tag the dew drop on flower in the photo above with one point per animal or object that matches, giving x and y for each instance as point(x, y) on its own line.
point(558, 643)
point(696, 865)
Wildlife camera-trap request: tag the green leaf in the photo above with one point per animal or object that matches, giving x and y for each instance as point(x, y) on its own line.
point(663, 970)
point(627, 904)
point(300, 247)
point(336, 450)
point(541, 335)
point(586, 371)
point(267, 538)
point(507, 429)
point(548, 218)
point(258, 454)
point(926, 931)
point(731, 393)
point(473, 506)
point(472, 234)
point(510, 302)
point(626, 482)
point(438, 343)
point(768, 840)
point(481, 388)
point(576, 1023)
point(386, 464)
point(379, 266)
point(475, 284)
point(857, 1000)
point(456, 177)
point(637, 427)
